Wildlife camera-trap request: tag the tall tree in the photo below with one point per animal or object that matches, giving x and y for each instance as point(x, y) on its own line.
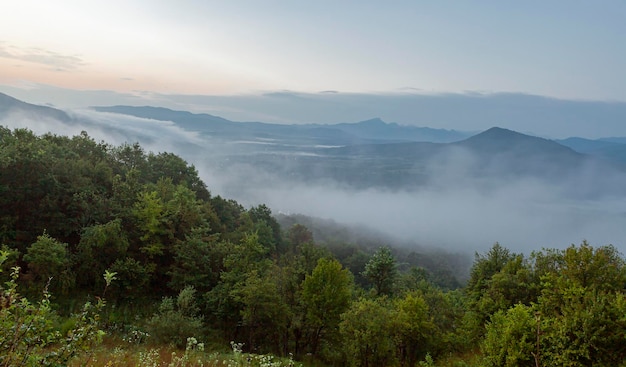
point(326, 294)
point(381, 271)
point(261, 216)
point(486, 266)
point(367, 333)
point(264, 313)
point(413, 328)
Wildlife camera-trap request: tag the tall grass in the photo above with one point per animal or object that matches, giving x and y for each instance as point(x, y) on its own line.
point(114, 352)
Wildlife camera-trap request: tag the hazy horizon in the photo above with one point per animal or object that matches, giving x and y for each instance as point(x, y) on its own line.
point(469, 112)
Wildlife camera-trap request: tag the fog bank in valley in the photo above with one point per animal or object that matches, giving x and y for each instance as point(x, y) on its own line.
point(455, 210)
point(465, 215)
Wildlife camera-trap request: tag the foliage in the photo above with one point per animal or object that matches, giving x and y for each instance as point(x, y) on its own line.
point(72, 209)
point(326, 294)
point(262, 217)
point(198, 261)
point(381, 271)
point(583, 307)
point(487, 288)
point(580, 309)
point(368, 333)
point(486, 266)
point(510, 338)
point(263, 314)
point(99, 247)
point(133, 278)
point(174, 323)
point(27, 333)
point(48, 259)
point(412, 327)
point(299, 234)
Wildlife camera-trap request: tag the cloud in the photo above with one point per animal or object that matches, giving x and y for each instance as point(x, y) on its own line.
point(456, 211)
point(53, 60)
point(153, 135)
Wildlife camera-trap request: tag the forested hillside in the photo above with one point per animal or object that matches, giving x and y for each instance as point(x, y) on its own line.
point(172, 266)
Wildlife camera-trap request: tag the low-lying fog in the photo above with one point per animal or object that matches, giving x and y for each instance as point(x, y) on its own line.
point(524, 215)
point(454, 212)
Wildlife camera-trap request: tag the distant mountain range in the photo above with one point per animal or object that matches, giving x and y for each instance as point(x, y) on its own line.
point(374, 153)
point(610, 149)
point(370, 131)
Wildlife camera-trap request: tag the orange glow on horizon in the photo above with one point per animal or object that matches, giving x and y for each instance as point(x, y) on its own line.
point(14, 72)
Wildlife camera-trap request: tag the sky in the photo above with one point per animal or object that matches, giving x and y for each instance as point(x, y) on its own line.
point(139, 49)
point(566, 49)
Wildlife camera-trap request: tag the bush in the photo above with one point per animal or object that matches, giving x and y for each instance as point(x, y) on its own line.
point(27, 333)
point(510, 338)
point(175, 324)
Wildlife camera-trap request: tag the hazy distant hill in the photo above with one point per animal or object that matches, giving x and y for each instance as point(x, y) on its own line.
point(506, 151)
point(367, 154)
point(10, 105)
point(610, 149)
point(497, 140)
point(493, 142)
point(370, 131)
point(378, 129)
point(496, 152)
point(615, 139)
point(187, 120)
point(373, 153)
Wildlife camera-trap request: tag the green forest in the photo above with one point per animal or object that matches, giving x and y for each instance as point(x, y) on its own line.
point(114, 256)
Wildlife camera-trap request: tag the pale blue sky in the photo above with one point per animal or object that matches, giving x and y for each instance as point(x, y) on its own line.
point(565, 49)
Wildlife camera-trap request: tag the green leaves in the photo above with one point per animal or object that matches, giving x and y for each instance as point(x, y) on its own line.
point(48, 258)
point(109, 277)
point(176, 323)
point(413, 327)
point(381, 271)
point(99, 247)
point(326, 294)
point(580, 309)
point(27, 335)
point(367, 333)
point(510, 338)
point(149, 212)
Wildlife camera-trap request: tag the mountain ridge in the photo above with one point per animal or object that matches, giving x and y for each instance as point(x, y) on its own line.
point(355, 153)
point(9, 104)
point(372, 130)
point(609, 149)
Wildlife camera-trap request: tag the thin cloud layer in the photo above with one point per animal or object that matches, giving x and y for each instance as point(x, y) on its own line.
point(153, 135)
point(53, 60)
point(455, 211)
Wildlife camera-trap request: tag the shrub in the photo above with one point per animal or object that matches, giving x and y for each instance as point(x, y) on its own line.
point(510, 338)
point(28, 336)
point(174, 324)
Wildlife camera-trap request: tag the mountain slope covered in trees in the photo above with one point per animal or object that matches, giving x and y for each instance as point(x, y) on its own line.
point(185, 265)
